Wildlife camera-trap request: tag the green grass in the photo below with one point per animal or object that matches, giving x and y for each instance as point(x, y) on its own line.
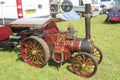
point(105, 36)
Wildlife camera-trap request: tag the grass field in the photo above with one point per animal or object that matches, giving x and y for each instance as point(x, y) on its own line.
point(105, 36)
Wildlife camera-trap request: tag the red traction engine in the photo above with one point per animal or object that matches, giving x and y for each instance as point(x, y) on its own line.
point(44, 41)
point(48, 42)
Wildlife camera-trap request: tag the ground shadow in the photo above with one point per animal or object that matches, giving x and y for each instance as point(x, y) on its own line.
point(52, 63)
point(15, 50)
point(9, 50)
point(69, 68)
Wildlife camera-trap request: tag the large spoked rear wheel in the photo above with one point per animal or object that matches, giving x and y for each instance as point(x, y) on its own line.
point(98, 54)
point(84, 64)
point(35, 51)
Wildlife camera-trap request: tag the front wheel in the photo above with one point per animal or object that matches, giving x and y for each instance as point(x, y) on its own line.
point(35, 51)
point(84, 64)
point(97, 53)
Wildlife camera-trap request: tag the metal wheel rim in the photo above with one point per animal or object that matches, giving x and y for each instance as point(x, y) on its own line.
point(84, 65)
point(98, 54)
point(33, 52)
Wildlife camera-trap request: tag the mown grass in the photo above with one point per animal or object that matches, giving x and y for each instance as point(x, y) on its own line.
point(105, 36)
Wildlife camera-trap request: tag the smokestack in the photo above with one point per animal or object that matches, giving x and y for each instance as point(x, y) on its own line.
point(87, 16)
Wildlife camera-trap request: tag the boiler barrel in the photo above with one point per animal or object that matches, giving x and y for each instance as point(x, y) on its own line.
point(74, 45)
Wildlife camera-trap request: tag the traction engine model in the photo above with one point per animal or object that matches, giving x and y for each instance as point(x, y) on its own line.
point(44, 41)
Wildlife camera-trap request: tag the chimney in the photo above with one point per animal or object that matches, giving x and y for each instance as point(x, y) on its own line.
point(87, 16)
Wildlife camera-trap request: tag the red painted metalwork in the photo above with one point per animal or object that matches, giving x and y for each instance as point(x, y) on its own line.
point(74, 45)
point(66, 48)
point(19, 8)
point(114, 19)
point(5, 32)
point(60, 51)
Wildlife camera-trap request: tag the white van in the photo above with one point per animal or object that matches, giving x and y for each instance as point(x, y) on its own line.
point(107, 4)
point(14, 9)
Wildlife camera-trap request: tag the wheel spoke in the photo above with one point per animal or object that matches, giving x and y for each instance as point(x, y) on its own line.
point(38, 60)
point(30, 44)
point(97, 54)
point(29, 56)
point(89, 62)
point(40, 57)
point(84, 64)
point(27, 50)
point(35, 51)
point(79, 60)
point(89, 70)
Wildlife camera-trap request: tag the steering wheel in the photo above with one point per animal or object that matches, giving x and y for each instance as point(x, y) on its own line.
point(67, 5)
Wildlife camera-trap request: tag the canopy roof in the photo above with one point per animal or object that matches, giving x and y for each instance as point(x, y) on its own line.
point(32, 22)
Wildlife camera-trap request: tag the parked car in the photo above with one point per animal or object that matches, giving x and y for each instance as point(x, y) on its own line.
point(106, 5)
